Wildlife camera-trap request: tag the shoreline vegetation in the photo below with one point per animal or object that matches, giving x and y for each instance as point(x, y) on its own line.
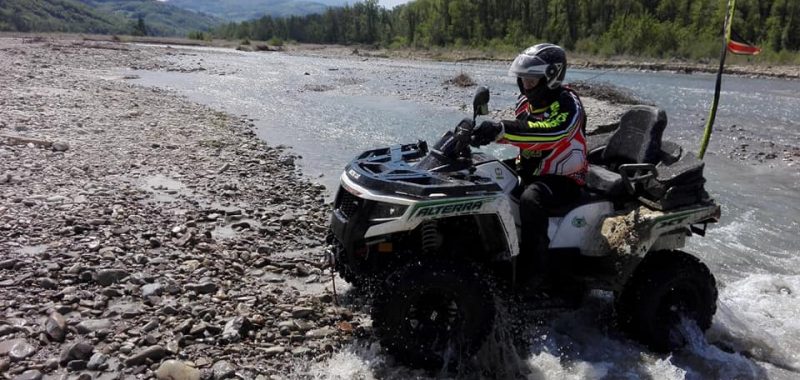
point(739, 66)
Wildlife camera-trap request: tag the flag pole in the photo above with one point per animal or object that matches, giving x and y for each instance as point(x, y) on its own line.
point(713, 112)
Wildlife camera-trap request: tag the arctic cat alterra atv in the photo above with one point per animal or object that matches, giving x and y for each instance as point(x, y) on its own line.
point(433, 234)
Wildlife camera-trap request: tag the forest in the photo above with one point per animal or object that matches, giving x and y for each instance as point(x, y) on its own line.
point(653, 28)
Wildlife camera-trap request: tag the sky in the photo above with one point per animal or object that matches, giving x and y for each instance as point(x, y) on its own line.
point(391, 3)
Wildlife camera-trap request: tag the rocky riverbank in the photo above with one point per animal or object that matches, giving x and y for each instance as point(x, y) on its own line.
point(145, 236)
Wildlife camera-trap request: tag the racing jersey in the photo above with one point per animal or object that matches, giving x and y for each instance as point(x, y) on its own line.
point(552, 139)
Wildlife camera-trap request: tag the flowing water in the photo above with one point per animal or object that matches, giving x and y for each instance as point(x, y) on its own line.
point(331, 108)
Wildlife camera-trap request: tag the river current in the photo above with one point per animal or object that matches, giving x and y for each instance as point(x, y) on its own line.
point(328, 109)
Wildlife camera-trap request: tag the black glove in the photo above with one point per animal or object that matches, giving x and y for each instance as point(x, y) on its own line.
point(485, 133)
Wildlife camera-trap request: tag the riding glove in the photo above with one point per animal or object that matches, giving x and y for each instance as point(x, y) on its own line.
point(486, 132)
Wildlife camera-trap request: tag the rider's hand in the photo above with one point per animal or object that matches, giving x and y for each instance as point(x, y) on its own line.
point(485, 133)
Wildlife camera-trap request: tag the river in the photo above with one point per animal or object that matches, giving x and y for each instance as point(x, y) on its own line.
point(328, 109)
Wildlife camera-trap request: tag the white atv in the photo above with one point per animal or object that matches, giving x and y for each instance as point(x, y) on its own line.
point(433, 234)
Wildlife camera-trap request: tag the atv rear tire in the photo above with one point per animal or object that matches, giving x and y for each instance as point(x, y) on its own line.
point(665, 287)
point(434, 314)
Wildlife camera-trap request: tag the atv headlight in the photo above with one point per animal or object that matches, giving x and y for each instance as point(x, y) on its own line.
point(382, 212)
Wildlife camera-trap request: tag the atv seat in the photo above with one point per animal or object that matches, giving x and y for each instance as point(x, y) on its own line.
point(635, 163)
point(636, 141)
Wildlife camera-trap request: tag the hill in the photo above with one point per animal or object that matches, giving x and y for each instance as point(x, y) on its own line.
point(58, 16)
point(161, 19)
point(239, 10)
point(101, 16)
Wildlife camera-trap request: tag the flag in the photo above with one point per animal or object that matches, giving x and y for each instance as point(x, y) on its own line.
point(738, 45)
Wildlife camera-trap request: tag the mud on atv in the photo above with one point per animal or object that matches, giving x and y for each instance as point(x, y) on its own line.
point(433, 234)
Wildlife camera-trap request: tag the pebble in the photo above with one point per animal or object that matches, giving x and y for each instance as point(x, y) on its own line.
point(77, 351)
point(202, 288)
point(21, 351)
point(176, 370)
point(154, 353)
point(29, 375)
point(60, 146)
point(92, 325)
point(223, 370)
point(56, 327)
point(107, 277)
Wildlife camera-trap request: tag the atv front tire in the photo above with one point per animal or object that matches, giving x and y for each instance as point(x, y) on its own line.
point(665, 287)
point(434, 314)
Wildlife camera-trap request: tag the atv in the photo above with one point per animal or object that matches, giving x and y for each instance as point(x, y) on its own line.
point(431, 233)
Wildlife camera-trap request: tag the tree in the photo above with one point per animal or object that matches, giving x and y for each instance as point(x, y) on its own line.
point(140, 29)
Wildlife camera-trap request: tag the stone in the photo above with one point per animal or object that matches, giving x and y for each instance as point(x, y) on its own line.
point(48, 283)
point(77, 351)
point(223, 370)
point(176, 370)
point(274, 350)
point(93, 325)
point(107, 277)
point(8, 264)
point(97, 362)
point(301, 312)
point(206, 287)
point(21, 351)
point(29, 375)
point(60, 146)
point(154, 353)
point(154, 289)
point(7, 345)
point(320, 333)
point(233, 329)
point(56, 327)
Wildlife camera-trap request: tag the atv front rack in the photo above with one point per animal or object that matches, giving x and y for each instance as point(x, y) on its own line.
point(394, 169)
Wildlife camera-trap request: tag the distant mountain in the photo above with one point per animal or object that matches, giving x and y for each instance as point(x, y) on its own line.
point(240, 10)
point(162, 19)
point(58, 16)
point(101, 16)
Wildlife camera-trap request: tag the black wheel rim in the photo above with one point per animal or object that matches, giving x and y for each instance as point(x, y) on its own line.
point(680, 301)
point(433, 321)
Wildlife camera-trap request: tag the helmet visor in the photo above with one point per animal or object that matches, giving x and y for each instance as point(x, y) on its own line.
point(526, 66)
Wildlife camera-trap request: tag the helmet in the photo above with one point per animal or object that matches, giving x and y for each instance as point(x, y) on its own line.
point(546, 61)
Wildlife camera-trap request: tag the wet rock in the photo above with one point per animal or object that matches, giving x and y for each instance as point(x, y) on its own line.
point(93, 325)
point(77, 351)
point(21, 351)
point(176, 370)
point(29, 375)
point(206, 287)
point(154, 353)
point(223, 370)
point(107, 277)
point(56, 327)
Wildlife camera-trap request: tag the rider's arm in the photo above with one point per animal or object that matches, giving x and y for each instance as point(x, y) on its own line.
point(562, 119)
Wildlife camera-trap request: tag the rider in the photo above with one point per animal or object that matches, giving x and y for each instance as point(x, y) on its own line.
point(550, 131)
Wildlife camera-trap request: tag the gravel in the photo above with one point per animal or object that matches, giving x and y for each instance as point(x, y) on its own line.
point(142, 235)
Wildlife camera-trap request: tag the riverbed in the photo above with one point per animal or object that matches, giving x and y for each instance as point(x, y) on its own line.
point(329, 108)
